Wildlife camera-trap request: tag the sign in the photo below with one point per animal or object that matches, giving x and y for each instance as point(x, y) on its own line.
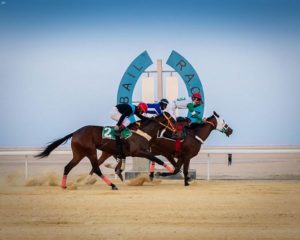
point(130, 77)
point(143, 61)
point(187, 73)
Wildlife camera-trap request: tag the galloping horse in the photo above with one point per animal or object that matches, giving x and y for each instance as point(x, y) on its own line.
point(86, 141)
point(190, 145)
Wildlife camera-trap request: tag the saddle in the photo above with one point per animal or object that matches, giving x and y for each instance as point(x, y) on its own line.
point(180, 126)
point(179, 135)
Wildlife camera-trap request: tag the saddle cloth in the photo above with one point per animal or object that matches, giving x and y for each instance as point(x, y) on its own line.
point(109, 133)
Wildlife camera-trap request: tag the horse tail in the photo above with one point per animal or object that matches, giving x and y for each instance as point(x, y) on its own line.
point(53, 145)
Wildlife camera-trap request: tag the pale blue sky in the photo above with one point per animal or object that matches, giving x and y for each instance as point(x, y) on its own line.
point(61, 62)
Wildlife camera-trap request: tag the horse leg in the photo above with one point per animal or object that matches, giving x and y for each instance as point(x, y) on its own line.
point(152, 166)
point(152, 169)
point(118, 170)
point(96, 169)
point(102, 158)
point(75, 160)
point(186, 171)
point(172, 161)
point(151, 157)
point(176, 170)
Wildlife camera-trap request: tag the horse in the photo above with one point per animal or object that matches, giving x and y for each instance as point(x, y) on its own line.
point(86, 140)
point(190, 145)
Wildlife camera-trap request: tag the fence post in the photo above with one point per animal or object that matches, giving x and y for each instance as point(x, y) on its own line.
point(208, 168)
point(26, 167)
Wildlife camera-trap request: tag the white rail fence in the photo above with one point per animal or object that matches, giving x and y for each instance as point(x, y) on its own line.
point(26, 155)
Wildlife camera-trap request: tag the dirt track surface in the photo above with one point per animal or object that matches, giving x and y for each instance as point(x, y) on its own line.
point(205, 210)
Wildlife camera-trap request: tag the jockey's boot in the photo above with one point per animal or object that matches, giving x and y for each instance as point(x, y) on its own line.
point(120, 154)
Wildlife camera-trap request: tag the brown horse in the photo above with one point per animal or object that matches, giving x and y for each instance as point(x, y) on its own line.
point(190, 146)
point(86, 141)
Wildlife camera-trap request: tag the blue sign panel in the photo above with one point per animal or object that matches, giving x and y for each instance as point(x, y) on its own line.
point(189, 76)
point(130, 77)
point(187, 73)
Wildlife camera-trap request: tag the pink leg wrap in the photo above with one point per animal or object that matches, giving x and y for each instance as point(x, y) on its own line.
point(170, 169)
point(152, 167)
point(64, 181)
point(106, 180)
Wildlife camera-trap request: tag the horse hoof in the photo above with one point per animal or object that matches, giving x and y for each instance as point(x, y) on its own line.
point(151, 176)
point(114, 187)
point(186, 184)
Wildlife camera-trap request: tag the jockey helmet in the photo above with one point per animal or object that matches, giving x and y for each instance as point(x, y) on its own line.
point(163, 103)
point(196, 96)
point(142, 107)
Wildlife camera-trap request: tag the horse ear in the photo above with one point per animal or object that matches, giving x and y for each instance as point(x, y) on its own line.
point(217, 115)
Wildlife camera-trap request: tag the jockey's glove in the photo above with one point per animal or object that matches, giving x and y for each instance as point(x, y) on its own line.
point(118, 128)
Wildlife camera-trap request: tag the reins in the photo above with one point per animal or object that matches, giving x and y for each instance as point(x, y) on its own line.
point(170, 125)
point(211, 123)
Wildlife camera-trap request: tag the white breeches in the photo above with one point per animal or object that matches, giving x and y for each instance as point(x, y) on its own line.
point(115, 115)
point(172, 109)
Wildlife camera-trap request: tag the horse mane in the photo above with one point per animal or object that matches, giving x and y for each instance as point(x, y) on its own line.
point(199, 125)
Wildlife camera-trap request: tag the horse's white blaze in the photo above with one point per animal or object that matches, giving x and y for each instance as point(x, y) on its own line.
point(220, 123)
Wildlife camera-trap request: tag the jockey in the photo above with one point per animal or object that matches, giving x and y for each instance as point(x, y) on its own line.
point(195, 108)
point(124, 115)
point(155, 109)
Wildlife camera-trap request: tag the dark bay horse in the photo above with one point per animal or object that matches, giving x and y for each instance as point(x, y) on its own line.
point(190, 145)
point(86, 141)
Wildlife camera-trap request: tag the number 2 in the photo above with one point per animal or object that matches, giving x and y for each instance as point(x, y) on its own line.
point(107, 132)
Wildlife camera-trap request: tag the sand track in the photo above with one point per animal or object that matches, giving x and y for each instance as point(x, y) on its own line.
point(168, 210)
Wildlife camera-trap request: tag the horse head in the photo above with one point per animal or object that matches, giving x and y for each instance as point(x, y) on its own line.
point(219, 124)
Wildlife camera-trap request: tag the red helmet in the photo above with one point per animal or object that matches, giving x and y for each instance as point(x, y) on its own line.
point(196, 95)
point(142, 107)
